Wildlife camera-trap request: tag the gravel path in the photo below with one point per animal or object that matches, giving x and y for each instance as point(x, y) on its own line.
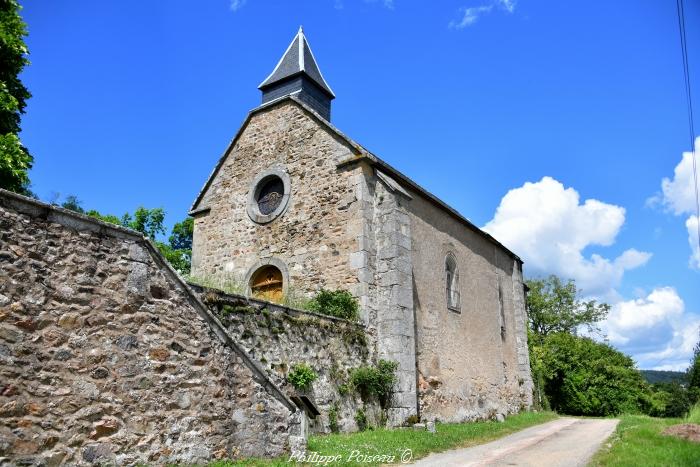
point(562, 442)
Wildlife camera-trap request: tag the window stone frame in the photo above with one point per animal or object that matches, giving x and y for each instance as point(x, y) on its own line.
point(254, 190)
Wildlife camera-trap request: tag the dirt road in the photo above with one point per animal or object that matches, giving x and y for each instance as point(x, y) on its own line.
point(562, 442)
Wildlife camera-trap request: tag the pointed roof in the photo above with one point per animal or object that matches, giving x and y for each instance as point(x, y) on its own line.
point(298, 59)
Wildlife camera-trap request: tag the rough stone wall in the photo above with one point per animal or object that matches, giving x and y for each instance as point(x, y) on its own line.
point(313, 237)
point(467, 368)
point(280, 337)
point(106, 358)
point(393, 297)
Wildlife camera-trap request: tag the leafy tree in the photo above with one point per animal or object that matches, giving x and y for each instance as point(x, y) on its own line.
point(181, 237)
point(694, 369)
point(15, 160)
point(553, 306)
point(584, 377)
point(147, 221)
point(180, 260)
point(73, 203)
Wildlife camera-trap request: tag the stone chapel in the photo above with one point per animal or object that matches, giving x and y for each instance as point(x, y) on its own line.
point(294, 204)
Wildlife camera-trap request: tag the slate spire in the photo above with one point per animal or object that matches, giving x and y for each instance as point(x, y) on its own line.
point(297, 73)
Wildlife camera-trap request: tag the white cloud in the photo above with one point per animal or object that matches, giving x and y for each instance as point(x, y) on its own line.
point(656, 330)
point(237, 4)
point(468, 16)
point(546, 225)
point(678, 196)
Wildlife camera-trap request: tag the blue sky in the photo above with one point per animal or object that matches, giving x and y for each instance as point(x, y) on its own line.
point(133, 103)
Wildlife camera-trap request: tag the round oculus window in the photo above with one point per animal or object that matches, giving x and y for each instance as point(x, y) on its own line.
point(268, 195)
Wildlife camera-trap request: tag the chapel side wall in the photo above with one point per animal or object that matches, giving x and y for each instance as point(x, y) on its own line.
point(315, 237)
point(466, 370)
point(104, 358)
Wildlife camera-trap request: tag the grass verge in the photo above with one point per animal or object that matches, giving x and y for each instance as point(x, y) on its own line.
point(384, 442)
point(638, 441)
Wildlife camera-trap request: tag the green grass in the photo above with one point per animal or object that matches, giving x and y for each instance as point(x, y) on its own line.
point(694, 414)
point(395, 442)
point(638, 441)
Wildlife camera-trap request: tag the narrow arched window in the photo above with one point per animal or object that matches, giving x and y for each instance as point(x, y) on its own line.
point(501, 310)
point(452, 283)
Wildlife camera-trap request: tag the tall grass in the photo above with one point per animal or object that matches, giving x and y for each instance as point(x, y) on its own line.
point(694, 414)
point(228, 283)
point(638, 441)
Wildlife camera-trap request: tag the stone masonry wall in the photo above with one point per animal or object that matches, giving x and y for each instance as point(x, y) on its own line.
point(312, 238)
point(468, 368)
point(106, 357)
point(280, 337)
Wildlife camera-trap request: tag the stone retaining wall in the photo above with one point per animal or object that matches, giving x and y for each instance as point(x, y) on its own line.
point(280, 337)
point(106, 356)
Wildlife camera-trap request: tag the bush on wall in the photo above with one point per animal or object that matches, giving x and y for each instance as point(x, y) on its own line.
point(338, 303)
point(375, 381)
point(301, 376)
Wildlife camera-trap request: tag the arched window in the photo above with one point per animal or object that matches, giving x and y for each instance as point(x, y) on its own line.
point(267, 284)
point(452, 283)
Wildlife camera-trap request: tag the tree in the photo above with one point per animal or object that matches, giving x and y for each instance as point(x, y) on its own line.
point(73, 203)
point(694, 374)
point(147, 221)
point(181, 237)
point(584, 377)
point(553, 306)
point(15, 160)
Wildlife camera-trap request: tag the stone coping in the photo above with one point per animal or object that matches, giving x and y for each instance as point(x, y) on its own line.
point(237, 299)
point(82, 222)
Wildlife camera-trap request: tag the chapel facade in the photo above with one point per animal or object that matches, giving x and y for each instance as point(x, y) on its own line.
point(294, 205)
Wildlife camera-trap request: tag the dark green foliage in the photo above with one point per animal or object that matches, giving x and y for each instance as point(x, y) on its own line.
point(674, 398)
point(584, 377)
point(180, 260)
point(375, 381)
point(361, 419)
point(338, 303)
point(147, 221)
point(657, 376)
point(15, 160)
point(553, 306)
point(301, 376)
point(694, 369)
point(181, 237)
point(72, 203)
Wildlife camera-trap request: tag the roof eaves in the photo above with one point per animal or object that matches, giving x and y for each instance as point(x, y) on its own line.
point(430, 197)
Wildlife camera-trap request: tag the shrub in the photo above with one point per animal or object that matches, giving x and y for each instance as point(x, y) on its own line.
point(301, 376)
point(584, 377)
point(361, 420)
point(375, 381)
point(338, 303)
point(333, 418)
